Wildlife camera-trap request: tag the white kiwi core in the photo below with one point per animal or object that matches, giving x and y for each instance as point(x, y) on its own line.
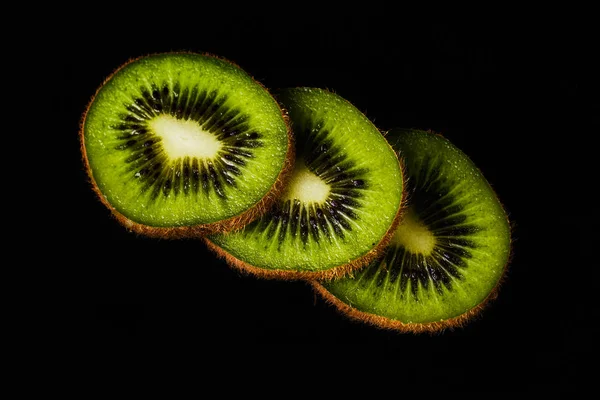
point(413, 235)
point(306, 186)
point(184, 138)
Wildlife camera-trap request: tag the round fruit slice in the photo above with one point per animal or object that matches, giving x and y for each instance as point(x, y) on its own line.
point(182, 145)
point(448, 254)
point(341, 204)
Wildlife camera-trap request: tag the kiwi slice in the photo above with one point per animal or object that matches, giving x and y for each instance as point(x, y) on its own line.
point(179, 144)
point(447, 256)
point(341, 204)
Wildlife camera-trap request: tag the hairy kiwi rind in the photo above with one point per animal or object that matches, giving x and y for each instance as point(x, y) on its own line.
point(332, 273)
point(385, 323)
point(335, 272)
point(402, 327)
point(193, 231)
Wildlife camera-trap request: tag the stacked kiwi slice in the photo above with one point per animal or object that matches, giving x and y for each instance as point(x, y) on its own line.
point(342, 203)
point(182, 145)
point(401, 231)
point(447, 256)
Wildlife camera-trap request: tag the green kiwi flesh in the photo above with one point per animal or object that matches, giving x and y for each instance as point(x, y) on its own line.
point(180, 144)
point(341, 204)
point(448, 254)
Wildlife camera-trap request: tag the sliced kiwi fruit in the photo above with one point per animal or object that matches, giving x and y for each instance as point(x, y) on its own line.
point(179, 144)
point(447, 256)
point(341, 204)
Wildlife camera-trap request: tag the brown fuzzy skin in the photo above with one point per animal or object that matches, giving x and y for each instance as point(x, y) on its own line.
point(403, 327)
point(180, 232)
point(399, 326)
point(332, 273)
point(418, 328)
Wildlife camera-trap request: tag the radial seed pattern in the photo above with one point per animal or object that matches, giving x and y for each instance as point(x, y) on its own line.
point(342, 203)
point(150, 164)
point(421, 284)
point(185, 144)
point(298, 220)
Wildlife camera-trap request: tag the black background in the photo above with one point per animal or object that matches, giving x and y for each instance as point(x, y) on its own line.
point(520, 100)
